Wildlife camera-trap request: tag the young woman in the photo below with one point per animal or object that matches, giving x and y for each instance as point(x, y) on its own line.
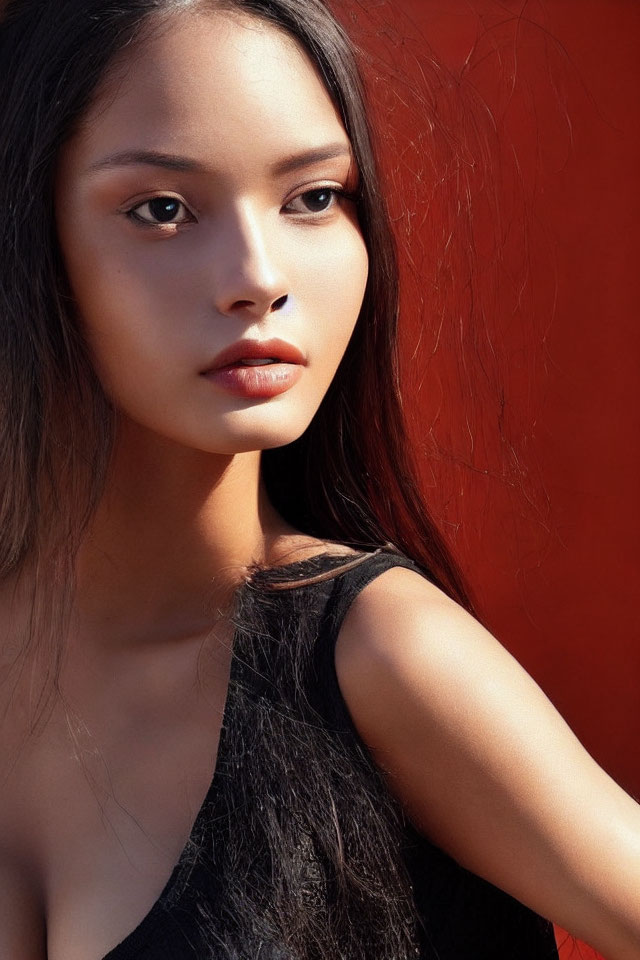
point(237, 721)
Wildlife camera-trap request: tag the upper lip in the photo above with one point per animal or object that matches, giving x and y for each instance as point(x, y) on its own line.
point(256, 350)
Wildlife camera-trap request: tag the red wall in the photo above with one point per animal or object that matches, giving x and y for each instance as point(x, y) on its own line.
point(521, 323)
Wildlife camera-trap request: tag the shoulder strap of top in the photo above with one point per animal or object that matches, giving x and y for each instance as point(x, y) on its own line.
point(347, 585)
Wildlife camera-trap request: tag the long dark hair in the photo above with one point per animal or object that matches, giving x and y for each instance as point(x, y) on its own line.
point(349, 478)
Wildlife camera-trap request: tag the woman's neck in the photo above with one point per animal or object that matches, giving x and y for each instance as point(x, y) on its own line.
point(172, 537)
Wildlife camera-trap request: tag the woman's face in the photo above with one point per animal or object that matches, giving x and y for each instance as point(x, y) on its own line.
point(203, 207)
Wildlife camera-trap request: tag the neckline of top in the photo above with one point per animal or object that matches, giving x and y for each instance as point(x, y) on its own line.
point(133, 942)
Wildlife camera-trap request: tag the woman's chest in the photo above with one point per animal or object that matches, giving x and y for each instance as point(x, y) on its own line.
point(95, 812)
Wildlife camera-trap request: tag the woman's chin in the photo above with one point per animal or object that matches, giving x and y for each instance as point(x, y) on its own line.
point(229, 442)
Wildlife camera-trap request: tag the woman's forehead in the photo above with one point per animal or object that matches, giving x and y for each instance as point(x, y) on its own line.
point(210, 84)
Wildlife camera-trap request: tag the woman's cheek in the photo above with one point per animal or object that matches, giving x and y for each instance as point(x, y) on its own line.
point(337, 292)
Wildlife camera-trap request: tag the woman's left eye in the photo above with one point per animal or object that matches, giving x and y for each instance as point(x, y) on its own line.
point(314, 201)
point(160, 210)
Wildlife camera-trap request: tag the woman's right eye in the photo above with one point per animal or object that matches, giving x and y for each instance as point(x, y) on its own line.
point(161, 210)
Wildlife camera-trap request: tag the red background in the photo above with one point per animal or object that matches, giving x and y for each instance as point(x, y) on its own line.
point(511, 145)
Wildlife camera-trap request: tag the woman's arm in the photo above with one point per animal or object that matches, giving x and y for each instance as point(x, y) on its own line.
point(485, 766)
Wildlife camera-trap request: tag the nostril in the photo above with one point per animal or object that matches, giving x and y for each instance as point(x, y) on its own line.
point(279, 303)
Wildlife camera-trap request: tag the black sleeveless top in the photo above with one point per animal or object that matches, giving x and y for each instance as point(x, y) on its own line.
point(299, 851)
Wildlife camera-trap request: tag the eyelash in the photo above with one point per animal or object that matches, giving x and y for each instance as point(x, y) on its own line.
point(336, 194)
point(133, 212)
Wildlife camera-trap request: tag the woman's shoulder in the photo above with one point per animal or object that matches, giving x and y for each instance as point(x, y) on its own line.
point(479, 758)
point(396, 618)
point(411, 663)
point(405, 646)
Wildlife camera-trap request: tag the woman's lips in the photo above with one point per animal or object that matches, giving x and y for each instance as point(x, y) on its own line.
point(256, 383)
point(241, 370)
point(273, 349)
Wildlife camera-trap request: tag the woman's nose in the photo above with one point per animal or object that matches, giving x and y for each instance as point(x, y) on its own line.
point(248, 279)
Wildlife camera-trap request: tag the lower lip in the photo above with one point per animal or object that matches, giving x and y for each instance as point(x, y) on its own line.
point(256, 383)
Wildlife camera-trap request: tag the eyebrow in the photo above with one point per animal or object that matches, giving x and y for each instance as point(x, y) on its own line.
point(179, 164)
point(332, 151)
point(149, 158)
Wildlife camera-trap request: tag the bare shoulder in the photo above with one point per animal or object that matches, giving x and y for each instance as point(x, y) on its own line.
point(413, 667)
point(424, 681)
point(401, 622)
point(442, 706)
point(482, 762)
